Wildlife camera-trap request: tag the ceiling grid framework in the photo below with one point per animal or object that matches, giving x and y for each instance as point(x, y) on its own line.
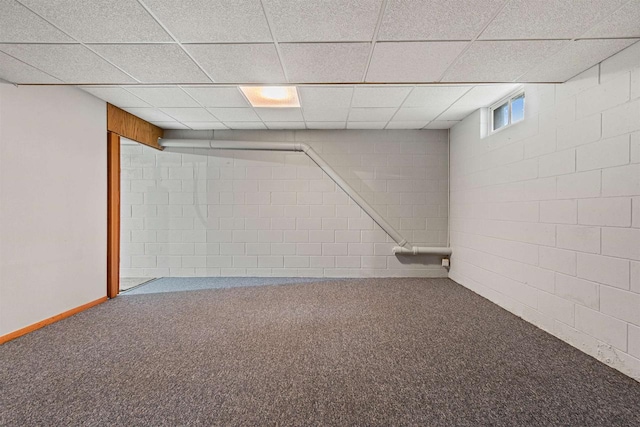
point(134, 53)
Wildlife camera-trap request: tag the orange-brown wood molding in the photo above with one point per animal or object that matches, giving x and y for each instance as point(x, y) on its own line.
point(132, 127)
point(113, 214)
point(45, 322)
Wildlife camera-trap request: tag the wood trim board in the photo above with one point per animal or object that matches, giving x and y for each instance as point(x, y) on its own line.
point(113, 214)
point(132, 127)
point(50, 320)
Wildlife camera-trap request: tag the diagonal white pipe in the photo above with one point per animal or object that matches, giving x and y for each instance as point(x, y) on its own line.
point(403, 247)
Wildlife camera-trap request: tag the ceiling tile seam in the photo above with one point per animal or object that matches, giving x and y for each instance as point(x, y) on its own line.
point(321, 121)
point(133, 94)
point(545, 59)
point(164, 27)
point(578, 38)
point(131, 43)
point(8, 82)
point(32, 66)
point(353, 92)
point(468, 46)
point(374, 38)
point(124, 43)
point(400, 106)
point(329, 42)
point(197, 102)
point(224, 43)
point(525, 40)
point(606, 38)
point(599, 62)
point(267, 17)
point(605, 18)
point(44, 43)
point(553, 54)
point(79, 42)
point(449, 107)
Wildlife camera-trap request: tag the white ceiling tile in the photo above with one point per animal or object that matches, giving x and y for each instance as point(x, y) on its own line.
point(280, 114)
point(326, 115)
point(547, 19)
point(170, 125)
point(19, 24)
point(217, 96)
point(189, 114)
point(210, 21)
point(285, 125)
point(239, 63)
point(442, 124)
point(371, 114)
point(425, 96)
point(325, 62)
point(154, 63)
point(500, 61)
point(485, 95)
point(117, 96)
point(418, 114)
point(205, 125)
point(15, 71)
point(457, 112)
point(163, 96)
point(325, 96)
point(412, 61)
point(407, 125)
point(150, 114)
point(234, 114)
point(71, 63)
point(366, 125)
point(574, 58)
point(328, 20)
point(101, 21)
point(436, 19)
point(624, 22)
point(379, 96)
point(326, 125)
point(245, 125)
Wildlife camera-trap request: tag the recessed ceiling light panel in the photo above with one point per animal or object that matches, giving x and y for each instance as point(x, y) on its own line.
point(271, 96)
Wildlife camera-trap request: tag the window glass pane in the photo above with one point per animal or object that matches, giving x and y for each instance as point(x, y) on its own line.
point(501, 116)
point(517, 108)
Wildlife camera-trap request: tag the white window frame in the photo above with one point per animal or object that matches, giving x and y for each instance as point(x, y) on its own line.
point(507, 99)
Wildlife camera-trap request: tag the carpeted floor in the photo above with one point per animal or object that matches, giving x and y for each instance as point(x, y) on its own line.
point(345, 352)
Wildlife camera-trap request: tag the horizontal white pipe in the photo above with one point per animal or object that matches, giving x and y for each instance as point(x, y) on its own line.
point(422, 250)
point(403, 246)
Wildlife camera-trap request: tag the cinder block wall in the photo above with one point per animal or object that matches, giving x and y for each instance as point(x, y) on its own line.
point(239, 213)
point(545, 215)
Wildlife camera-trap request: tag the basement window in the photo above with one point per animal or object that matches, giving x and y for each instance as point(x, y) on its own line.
point(506, 112)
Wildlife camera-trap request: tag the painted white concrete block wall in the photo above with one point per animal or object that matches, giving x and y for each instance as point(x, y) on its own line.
point(545, 215)
point(52, 202)
point(239, 213)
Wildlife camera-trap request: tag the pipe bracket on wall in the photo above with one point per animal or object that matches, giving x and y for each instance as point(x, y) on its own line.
point(403, 248)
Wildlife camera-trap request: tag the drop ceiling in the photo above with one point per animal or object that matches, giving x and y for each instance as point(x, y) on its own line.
point(372, 64)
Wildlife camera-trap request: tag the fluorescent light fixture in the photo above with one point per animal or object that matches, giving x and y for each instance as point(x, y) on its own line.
point(271, 96)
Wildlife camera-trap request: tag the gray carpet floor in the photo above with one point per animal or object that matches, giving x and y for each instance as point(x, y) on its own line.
point(345, 352)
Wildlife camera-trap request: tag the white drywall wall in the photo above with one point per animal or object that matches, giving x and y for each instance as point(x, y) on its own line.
point(52, 202)
point(240, 213)
point(545, 215)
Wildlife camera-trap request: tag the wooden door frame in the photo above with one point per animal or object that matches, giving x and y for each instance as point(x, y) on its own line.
point(120, 123)
point(113, 214)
